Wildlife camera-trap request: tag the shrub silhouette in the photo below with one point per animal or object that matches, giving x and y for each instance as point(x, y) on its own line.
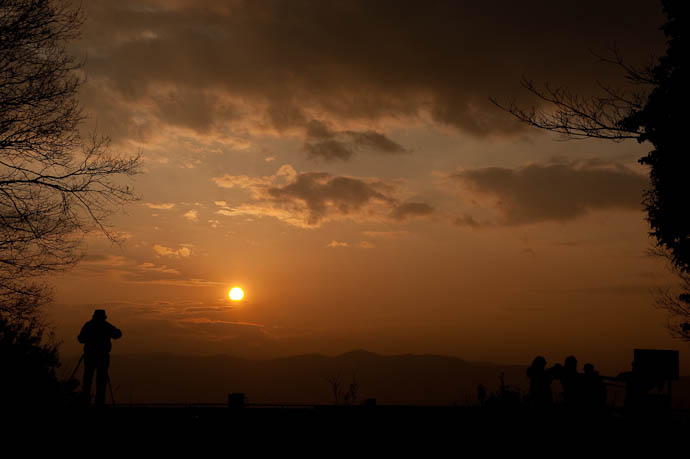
point(28, 362)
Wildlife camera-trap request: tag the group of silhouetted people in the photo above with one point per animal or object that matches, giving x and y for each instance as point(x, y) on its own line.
point(584, 390)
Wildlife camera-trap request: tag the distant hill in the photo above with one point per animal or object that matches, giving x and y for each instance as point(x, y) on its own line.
point(394, 379)
point(400, 379)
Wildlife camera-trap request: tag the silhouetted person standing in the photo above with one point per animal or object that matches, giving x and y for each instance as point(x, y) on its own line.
point(96, 335)
point(593, 389)
point(571, 382)
point(539, 383)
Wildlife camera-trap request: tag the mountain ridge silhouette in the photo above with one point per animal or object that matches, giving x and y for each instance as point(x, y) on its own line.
point(418, 379)
point(163, 377)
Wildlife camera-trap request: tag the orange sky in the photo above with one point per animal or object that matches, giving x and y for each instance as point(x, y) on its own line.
point(344, 166)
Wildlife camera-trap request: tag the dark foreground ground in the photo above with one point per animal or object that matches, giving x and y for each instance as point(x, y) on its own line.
point(362, 419)
point(334, 431)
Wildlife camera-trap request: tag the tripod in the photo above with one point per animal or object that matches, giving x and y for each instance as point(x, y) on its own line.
point(107, 381)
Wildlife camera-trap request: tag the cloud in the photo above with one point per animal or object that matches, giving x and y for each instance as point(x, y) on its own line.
point(159, 269)
point(411, 209)
point(164, 206)
point(225, 330)
point(191, 282)
point(321, 194)
point(308, 199)
point(361, 245)
point(256, 185)
point(555, 191)
point(222, 67)
point(335, 244)
point(387, 234)
point(203, 309)
point(105, 260)
point(128, 271)
point(164, 251)
point(323, 142)
point(191, 215)
point(467, 220)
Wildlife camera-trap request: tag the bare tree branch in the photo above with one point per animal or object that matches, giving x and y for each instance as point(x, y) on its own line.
point(674, 301)
point(650, 109)
point(55, 186)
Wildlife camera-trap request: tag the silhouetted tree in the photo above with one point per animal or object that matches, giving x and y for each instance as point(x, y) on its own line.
point(677, 305)
point(350, 396)
point(28, 364)
point(505, 398)
point(335, 383)
point(651, 110)
point(55, 186)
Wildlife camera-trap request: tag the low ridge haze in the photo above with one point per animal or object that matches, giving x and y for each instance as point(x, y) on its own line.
point(307, 379)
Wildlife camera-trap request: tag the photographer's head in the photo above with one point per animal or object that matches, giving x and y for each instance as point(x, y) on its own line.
point(99, 314)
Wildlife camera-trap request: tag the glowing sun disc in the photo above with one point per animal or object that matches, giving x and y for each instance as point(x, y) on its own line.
point(236, 294)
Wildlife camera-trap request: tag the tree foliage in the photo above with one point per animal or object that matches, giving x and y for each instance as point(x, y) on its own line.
point(650, 110)
point(661, 122)
point(28, 366)
point(55, 185)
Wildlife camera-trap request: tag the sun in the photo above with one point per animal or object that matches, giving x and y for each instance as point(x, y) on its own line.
point(236, 294)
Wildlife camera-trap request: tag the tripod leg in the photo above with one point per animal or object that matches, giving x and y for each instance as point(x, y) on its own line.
point(77, 367)
point(89, 369)
point(112, 396)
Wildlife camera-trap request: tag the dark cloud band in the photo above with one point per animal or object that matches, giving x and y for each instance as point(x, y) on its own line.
point(277, 64)
point(308, 199)
point(554, 191)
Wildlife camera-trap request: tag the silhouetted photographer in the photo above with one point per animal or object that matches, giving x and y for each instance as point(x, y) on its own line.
point(96, 335)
